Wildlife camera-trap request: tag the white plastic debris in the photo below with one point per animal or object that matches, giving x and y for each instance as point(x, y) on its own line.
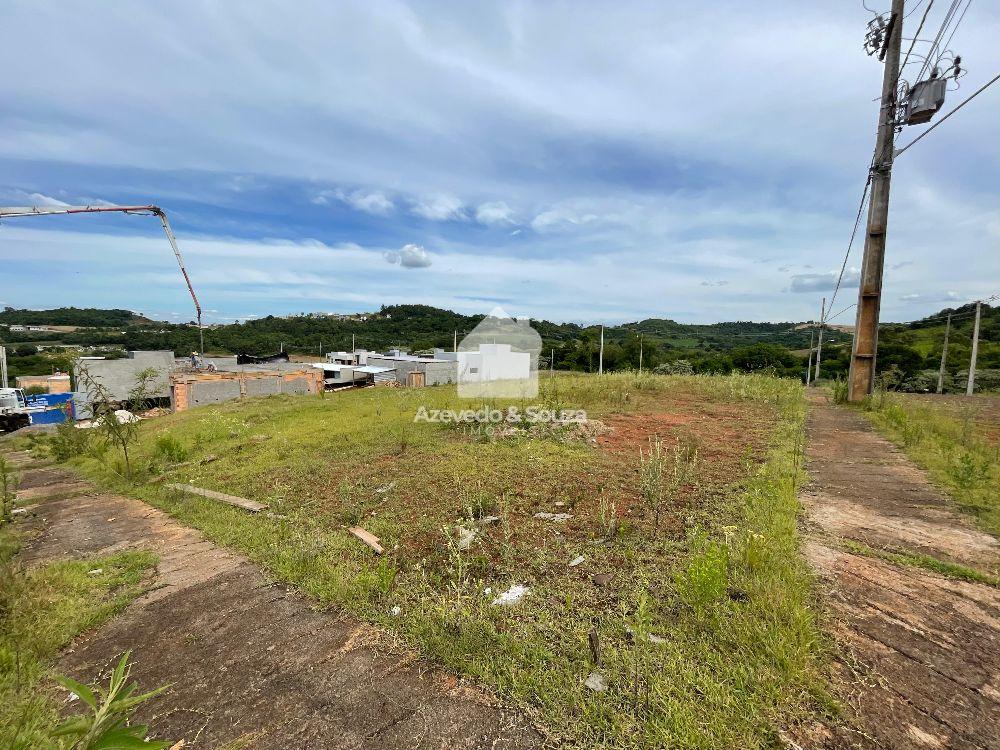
point(396, 611)
point(656, 639)
point(512, 595)
point(386, 488)
point(19, 512)
point(578, 560)
point(465, 537)
point(595, 681)
point(123, 416)
point(95, 572)
point(558, 517)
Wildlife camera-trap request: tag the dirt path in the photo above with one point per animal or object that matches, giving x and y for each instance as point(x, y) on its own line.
point(246, 657)
point(919, 662)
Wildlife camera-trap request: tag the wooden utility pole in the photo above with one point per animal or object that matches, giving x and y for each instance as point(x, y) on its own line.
point(454, 345)
point(862, 376)
point(975, 351)
point(552, 360)
point(809, 367)
point(3, 367)
point(944, 355)
point(819, 347)
point(600, 358)
point(640, 354)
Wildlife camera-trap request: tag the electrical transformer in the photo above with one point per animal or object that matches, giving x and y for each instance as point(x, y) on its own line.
point(925, 98)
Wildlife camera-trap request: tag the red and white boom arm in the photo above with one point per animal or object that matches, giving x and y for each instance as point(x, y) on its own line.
point(156, 211)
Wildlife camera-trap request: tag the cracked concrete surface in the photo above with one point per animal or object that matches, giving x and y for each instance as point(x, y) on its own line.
point(919, 663)
point(246, 658)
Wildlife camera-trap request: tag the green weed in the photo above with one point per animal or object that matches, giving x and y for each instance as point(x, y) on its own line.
point(953, 450)
point(41, 610)
point(736, 651)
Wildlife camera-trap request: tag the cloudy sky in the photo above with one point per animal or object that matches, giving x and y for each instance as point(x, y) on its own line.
point(588, 161)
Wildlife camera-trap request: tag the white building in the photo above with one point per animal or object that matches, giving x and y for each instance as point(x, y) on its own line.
point(496, 371)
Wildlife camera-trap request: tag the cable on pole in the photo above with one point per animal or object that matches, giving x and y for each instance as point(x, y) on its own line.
point(854, 232)
point(917, 34)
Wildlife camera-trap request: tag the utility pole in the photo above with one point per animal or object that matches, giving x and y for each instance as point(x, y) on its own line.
point(862, 376)
point(640, 354)
point(944, 355)
point(809, 367)
point(3, 367)
point(354, 346)
point(819, 343)
point(454, 345)
point(975, 351)
point(600, 359)
point(552, 361)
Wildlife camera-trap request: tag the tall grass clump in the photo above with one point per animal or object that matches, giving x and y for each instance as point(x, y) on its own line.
point(41, 611)
point(958, 455)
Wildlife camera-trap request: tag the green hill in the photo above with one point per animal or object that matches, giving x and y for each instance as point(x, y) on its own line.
point(913, 348)
point(91, 317)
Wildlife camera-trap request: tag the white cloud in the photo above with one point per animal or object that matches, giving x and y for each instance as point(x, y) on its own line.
point(373, 202)
point(561, 218)
point(39, 199)
point(438, 208)
point(495, 212)
point(819, 282)
point(411, 256)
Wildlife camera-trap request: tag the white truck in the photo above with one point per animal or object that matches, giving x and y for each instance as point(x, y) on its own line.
point(13, 410)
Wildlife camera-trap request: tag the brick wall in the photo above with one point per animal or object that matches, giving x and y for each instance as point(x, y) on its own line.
point(188, 390)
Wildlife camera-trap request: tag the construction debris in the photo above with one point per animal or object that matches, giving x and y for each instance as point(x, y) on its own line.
point(557, 517)
point(512, 595)
point(594, 638)
point(368, 538)
point(240, 502)
point(595, 681)
point(603, 579)
point(465, 537)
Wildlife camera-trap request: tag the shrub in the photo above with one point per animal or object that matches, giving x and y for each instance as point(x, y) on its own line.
point(170, 448)
point(704, 579)
point(68, 441)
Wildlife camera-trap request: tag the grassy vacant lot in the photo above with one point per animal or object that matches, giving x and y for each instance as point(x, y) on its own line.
point(956, 439)
point(41, 610)
point(691, 579)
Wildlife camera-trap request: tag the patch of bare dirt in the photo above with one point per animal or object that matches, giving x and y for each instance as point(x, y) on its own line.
point(919, 654)
point(250, 659)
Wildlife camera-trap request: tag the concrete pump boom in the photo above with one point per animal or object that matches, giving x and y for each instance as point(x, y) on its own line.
point(156, 211)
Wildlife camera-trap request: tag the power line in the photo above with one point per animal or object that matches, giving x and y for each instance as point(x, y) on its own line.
point(964, 102)
point(945, 24)
point(947, 44)
point(917, 34)
point(854, 232)
point(831, 317)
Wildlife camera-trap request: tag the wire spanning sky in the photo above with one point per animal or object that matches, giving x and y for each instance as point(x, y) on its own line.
point(571, 161)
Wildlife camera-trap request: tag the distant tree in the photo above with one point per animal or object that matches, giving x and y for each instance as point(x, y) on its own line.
point(763, 356)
